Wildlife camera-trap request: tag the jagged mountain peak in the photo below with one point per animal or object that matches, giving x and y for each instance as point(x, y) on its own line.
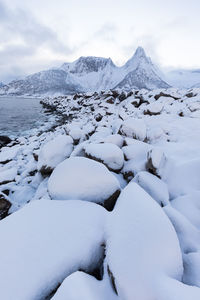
point(139, 58)
point(89, 74)
point(87, 64)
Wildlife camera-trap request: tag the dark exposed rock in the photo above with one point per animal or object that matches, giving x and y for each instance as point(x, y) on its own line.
point(111, 100)
point(4, 207)
point(4, 140)
point(151, 113)
point(98, 117)
point(35, 155)
point(115, 93)
point(190, 95)
point(109, 204)
point(122, 96)
point(46, 171)
point(161, 94)
point(112, 279)
point(128, 176)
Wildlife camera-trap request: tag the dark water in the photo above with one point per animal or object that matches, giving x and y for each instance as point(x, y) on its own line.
point(19, 115)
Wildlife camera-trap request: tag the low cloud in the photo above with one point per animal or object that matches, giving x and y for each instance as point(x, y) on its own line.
point(21, 37)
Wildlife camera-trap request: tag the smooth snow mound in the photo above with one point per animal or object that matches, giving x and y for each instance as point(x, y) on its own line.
point(82, 178)
point(134, 128)
point(142, 245)
point(110, 154)
point(55, 151)
point(46, 241)
point(81, 286)
point(155, 187)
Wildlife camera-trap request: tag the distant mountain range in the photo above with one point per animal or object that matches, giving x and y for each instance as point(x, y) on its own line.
point(89, 74)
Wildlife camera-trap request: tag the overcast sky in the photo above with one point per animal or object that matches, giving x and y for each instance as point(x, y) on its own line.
point(38, 34)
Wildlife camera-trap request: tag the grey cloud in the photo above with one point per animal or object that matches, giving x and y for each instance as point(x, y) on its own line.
point(22, 37)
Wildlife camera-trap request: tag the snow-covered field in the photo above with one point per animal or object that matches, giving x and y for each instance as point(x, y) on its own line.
point(114, 196)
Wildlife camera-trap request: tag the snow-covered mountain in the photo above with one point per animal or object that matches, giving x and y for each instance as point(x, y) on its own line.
point(1, 84)
point(88, 74)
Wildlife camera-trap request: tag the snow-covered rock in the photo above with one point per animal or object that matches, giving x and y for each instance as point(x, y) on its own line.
point(183, 178)
point(83, 286)
point(134, 128)
point(155, 187)
point(54, 152)
point(7, 175)
point(189, 206)
point(142, 246)
point(46, 241)
point(156, 161)
point(107, 153)
point(153, 109)
point(84, 179)
point(115, 139)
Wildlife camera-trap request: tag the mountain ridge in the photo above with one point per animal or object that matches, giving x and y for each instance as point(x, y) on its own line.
point(89, 74)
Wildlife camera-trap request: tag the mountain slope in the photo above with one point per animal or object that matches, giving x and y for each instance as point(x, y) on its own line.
point(141, 73)
point(89, 74)
point(183, 78)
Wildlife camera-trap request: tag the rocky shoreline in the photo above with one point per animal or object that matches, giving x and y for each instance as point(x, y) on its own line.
point(126, 165)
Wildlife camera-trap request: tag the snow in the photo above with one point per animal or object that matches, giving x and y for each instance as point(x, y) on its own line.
point(189, 206)
point(145, 229)
point(183, 178)
point(46, 241)
point(82, 178)
point(55, 151)
point(114, 139)
point(155, 187)
point(8, 175)
point(110, 154)
point(8, 154)
point(142, 245)
point(134, 128)
point(89, 288)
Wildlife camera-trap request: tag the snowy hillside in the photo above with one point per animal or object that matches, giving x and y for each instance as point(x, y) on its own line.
point(104, 205)
point(183, 78)
point(90, 74)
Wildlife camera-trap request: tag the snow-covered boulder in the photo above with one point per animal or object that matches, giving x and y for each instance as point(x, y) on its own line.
point(155, 187)
point(82, 286)
point(142, 246)
point(107, 153)
point(4, 206)
point(134, 128)
point(7, 175)
point(136, 150)
point(156, 161)
point(136, 154)
point(183, 178)
point(84, 179)
point(115, 139)
point(189, 206)
point(8, 153)
point(46, 241)
point(153, 109)
point(54, 152)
